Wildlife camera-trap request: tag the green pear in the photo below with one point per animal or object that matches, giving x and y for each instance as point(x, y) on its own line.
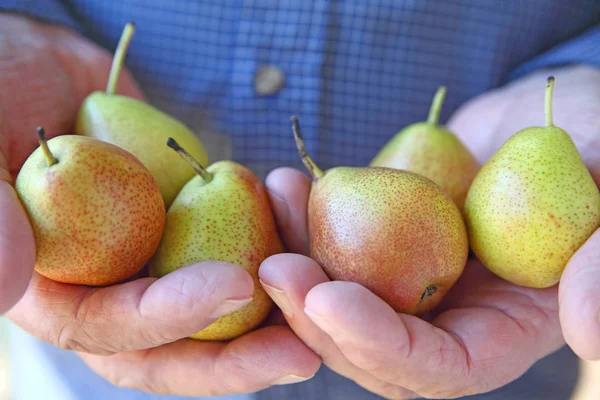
point(532, 205)
point(431, 150)
point(221, 214)
point(393, 231)
point(139, 128)
point(96, 212)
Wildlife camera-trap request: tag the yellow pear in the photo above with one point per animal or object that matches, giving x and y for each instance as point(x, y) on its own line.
point(429, 149)
point(139, 128)
point(532, 205)
point(221, 214)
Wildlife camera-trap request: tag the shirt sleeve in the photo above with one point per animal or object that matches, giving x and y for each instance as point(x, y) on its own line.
point(52, 11)
point(583, 49)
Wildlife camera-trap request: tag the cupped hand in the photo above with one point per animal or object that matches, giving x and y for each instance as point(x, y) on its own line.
point(134, 333)
point(487, 331)
point(488, 121)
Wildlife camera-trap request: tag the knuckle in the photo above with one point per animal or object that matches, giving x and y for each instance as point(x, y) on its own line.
point(381, 362)
point(234, 375)
point(153, 338)
point(136, 378)
point(75, 331)
point(66, 340)
point(135, 381)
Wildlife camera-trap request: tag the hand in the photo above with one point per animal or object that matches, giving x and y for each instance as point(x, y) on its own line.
point(133, 334)
point(576, 104)
point(44, 77)
point(486, 332)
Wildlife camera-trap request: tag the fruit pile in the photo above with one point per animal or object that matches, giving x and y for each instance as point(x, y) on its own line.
point(132, 188)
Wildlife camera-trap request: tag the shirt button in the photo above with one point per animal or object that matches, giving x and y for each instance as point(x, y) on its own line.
point(268, 80)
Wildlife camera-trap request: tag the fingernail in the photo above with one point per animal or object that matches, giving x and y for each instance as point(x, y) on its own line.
point(281, 207)
point(279, 298)
point(326, 326)
point(311, 314)
point(4, 174)
point(291, 378)
point(317, 319)
point(228, 306)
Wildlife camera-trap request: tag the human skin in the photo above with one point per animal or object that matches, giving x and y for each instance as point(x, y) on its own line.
point(131, 333)
point(487, 331)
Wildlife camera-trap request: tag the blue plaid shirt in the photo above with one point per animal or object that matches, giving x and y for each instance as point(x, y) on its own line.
point(355, 72)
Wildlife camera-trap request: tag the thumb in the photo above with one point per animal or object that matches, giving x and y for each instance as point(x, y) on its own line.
point(17, 246)
point(579, 300)
point(135, 315)
point(289, 191)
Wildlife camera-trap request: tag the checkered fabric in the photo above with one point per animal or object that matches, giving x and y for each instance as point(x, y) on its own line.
point(355, 73)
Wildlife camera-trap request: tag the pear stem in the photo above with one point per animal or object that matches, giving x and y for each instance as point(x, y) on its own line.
point(200, 170)
point(548, 102)
point(41, 133)
point(436, 106)
point(314, 170)
point(119, 57)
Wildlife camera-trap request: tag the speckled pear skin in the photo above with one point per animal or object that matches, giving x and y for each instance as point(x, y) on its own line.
point(227, 219)
point(395, 232)
point(142, 130)
point(531, 206)
point(434, 152)
point(97, 215)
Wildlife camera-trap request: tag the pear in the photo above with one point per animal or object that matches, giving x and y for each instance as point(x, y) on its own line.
point(532, 205)
point(96, 212)
point(431, 150)
point(221, 214)
point(139, 128)
point(393, 231)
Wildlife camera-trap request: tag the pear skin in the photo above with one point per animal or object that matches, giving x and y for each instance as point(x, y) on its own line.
point(140, 128)
point(431, 150)
point(532, 205)
point(223, 215)
point(96, 212)
point(395, 232)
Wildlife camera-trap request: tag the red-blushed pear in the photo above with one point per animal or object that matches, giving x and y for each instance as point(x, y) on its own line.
point(97, 213)
point(223, 214)
point(395, 232)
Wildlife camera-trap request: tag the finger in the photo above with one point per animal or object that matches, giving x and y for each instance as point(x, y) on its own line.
point(288, 278)
point(288, 190)
point(17, 246)
point(580, 300)
point(135, 315)
point(269, 356)
point(469, 351)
